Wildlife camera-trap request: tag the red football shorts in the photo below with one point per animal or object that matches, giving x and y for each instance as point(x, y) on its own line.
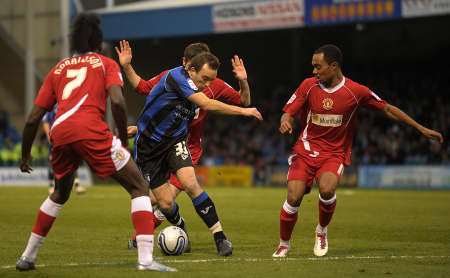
point(196, 154)
point(104, 157)
point(308, 169)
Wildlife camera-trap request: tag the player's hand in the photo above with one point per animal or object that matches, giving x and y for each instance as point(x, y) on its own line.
point(124, 53)
point(431, 134)
point(25, 165)
point(131, 131)
point(238, 68)
point(252, 112)
point(286, 126)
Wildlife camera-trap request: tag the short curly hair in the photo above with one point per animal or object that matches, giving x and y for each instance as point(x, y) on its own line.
point(86, 34)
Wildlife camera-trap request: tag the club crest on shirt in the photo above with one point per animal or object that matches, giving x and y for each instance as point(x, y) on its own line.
point(327, 104)
point(120, 155)
point(192, 85)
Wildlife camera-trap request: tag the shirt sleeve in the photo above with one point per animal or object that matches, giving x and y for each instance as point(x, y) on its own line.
point(145, 86)
point(46, 97)
point(180, 83)
point(371, 100)
point(294, 105)
point(113, 76)
point(229, 95)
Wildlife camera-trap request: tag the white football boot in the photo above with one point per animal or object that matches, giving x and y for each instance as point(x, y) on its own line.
point(155, 266)
point(281, 251)
point(321, 245)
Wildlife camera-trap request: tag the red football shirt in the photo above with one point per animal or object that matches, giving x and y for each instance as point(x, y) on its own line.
point(218, 89)
point(331, 116)
point(79, 85)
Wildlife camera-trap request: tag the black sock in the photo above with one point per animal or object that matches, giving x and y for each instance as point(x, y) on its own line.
point(219, 235)
point(205, 208)
point(174, 216)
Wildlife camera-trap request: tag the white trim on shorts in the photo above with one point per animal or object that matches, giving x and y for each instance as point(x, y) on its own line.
point(119, 155)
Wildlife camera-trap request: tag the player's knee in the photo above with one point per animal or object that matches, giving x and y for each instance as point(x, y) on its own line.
point(59, 197)
point(293, 200)
point(327, 194)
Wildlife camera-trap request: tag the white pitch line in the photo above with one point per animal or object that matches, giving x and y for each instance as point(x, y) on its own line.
point(249, 260)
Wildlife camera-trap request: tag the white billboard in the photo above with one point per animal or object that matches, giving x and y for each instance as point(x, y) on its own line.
point(257, 15)
point(39, 176)
point(432, 177)
point(415, 8)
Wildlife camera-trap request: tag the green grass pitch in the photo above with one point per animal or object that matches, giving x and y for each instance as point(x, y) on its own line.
point(374, 233)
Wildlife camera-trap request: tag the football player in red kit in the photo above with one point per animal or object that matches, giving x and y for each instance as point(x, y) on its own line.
point(80, 86)
point(331, 102)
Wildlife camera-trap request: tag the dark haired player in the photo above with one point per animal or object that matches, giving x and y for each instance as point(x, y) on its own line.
point(80, 85)
point(161, 148)
point(218, 89)
point(324, 144)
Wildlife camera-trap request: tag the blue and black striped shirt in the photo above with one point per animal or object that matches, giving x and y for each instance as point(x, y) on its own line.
point(167, 111)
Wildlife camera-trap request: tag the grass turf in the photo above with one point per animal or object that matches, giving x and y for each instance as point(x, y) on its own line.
point(374, 233)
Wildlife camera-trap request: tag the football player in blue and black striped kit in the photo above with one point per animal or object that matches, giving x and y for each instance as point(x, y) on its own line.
point(160, 144)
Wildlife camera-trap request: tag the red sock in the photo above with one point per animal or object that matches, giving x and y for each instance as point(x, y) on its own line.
point(287, 223)
point(43, 224)
point(143, 222)
point(47, 214)
point(156, 223)
point(326, 210)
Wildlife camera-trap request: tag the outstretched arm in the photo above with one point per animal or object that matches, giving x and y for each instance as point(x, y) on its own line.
point(125, 55)
point(394, 112)
point(29, 133)
point(206, 103)
point(286, 123)
point(241, 75)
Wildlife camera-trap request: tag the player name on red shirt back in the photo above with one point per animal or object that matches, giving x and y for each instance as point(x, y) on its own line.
point(79, 85)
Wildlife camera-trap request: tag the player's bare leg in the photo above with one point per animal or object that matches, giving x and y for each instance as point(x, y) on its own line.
point(205, 208)
point(158, 215)
point(47, 214)
point(288, 216)
point(156, 211)
point(141, 214)
point(327, 202)
point(168, 206)
point(175, 191)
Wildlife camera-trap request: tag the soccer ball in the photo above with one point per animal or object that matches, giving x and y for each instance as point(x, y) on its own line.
point(172, 241)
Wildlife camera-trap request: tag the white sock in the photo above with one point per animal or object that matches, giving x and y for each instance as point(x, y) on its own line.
point(321, 230)
point(145, 249)
point(216, 228)
point(285, 242)
point(32, 248)
point(289, 209)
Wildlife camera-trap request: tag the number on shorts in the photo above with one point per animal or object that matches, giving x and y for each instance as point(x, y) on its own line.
point(79, 75)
